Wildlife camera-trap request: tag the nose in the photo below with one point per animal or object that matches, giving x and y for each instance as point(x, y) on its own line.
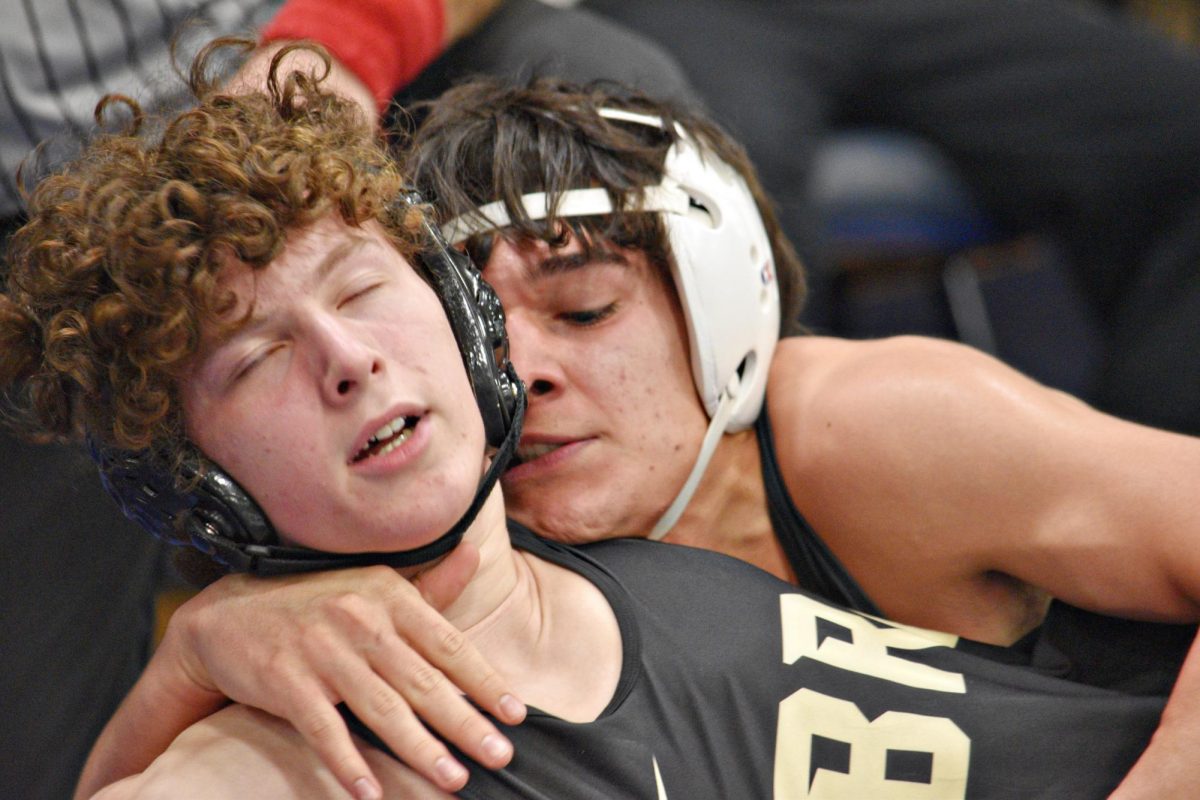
point(345, 359)
point(534, 357)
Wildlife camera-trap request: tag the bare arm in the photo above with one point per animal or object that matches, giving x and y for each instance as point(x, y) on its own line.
point(242, 752)
point(985, 472)
point(967, 468)
point(1169, 763)
point(296, 647)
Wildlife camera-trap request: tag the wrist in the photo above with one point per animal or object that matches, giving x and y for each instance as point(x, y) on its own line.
point(176, 672)
point(385, 43)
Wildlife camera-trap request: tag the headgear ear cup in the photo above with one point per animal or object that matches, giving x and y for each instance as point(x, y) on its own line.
point(722, 263)
point(477, 319)
point(209, 504)
point(724, 269)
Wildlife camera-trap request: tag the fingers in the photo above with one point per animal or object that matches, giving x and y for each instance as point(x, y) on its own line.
point(446, 647)
point(297, 646)
point(397, 673)
point(391, 717)
point(400, 781)
point(439, 704)
point(316, 718)
point(394, 681)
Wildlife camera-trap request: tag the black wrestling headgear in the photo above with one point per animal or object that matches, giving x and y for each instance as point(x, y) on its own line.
point(217, 516)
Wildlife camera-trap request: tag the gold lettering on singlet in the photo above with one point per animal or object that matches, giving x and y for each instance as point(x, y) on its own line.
point(867, 653)
point(807, 713)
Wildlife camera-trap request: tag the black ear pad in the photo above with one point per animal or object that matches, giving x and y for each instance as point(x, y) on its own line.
point(212, 505)
point(477, 319)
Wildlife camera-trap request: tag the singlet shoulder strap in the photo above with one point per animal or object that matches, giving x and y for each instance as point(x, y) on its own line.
point(817, 568)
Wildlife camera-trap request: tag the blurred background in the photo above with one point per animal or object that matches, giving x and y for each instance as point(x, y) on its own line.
point(1023, 176)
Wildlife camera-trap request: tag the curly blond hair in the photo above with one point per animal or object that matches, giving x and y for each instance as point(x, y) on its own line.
point(115, 273)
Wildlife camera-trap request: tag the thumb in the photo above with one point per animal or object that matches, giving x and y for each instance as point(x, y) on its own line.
point(442, 583)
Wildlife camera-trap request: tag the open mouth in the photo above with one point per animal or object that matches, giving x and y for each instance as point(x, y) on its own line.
point(387, 438)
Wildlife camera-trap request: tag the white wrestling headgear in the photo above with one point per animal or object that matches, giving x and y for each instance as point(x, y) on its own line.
point(724, 271)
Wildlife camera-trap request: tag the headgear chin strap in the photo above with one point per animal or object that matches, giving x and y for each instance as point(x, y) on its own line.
point(217, 516)
point(220, 518)
point(723, 267)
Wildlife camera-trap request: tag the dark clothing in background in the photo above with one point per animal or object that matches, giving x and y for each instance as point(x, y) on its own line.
point(76, 587)
point(1067, 119)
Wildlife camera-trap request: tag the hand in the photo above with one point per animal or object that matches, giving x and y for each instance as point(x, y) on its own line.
point(243, 752)
point(252, 76)
point(297, 646)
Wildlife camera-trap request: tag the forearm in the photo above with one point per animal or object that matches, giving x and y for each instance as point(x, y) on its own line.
point(296, 646)
point(383, 44)
point(162, 704)
point(1168, 767)
point(242, 752)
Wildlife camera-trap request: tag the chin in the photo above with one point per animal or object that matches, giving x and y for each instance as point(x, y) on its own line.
point(568, 524)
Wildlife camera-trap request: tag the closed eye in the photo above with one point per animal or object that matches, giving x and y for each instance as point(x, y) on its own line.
point(588, 317)
point(359, 293)
point(257, 357)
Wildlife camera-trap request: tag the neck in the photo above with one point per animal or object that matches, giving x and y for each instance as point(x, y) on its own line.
point(728, 511)
point(496, 578)
point(547, 630)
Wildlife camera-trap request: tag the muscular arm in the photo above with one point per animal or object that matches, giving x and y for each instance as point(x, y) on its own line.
point(297, 646)
point(953, 471)
point(242, 752)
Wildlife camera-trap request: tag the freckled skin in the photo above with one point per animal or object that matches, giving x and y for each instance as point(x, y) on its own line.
point(623, 384)
point(374, 328)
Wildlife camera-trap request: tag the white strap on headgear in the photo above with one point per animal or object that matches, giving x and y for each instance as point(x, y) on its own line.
point(668, 196)
point(712, 437)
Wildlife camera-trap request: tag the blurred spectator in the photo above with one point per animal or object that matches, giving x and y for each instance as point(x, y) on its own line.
point(1069, 120)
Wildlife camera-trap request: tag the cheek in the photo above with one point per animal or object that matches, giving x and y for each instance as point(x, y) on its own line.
point(255, 443)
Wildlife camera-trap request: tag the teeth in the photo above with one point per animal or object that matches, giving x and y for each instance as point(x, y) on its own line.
point(529, 452)
point(392, 445)
point(396, 425)
point(394, 433)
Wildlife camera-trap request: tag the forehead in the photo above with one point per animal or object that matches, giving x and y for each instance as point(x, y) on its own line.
point(308, 259)
point(534, 260)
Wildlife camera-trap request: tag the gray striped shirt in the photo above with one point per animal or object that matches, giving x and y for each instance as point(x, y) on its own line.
point(59, 57)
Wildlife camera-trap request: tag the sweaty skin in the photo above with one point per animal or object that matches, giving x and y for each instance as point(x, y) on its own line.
point(920, 462)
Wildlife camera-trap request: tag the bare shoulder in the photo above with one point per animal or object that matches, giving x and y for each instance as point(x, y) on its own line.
point(812, 363)
point(913, 417)
point(833, 391)
point(129, 788)
point(237, 752)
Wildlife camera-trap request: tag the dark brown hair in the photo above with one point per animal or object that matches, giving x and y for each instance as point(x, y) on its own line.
point(487, 140)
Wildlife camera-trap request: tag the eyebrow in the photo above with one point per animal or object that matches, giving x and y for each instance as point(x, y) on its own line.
point(326, 265)
point(561, 264)
point(339, 254)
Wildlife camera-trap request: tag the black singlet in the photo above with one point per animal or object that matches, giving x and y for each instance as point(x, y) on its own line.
point(737, 685)
point(817, 569)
